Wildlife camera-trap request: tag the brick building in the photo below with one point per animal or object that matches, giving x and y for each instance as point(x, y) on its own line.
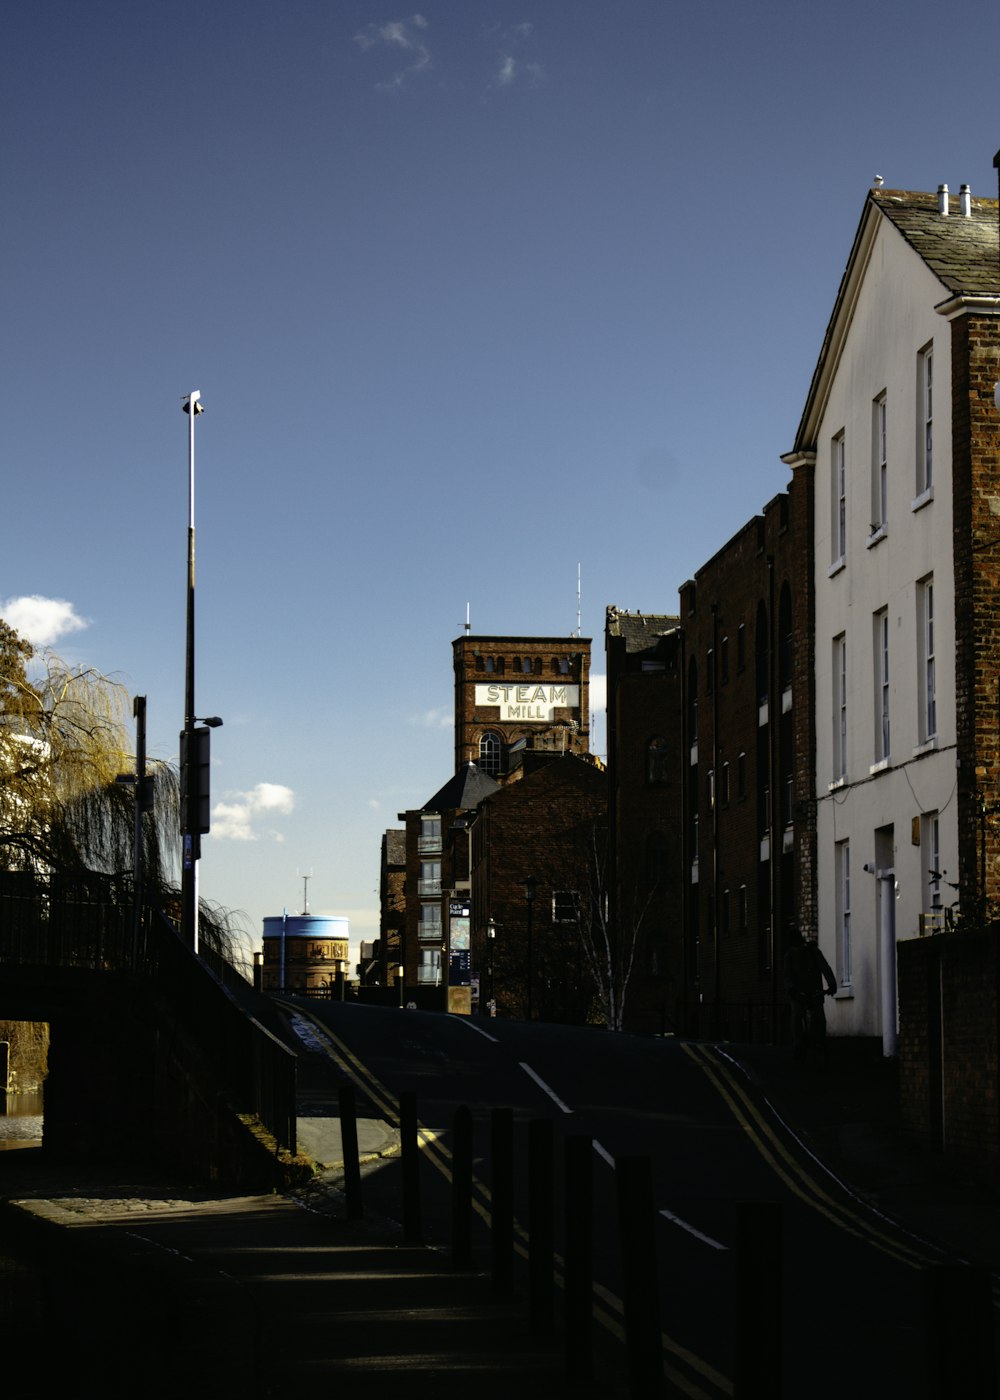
point(435, 930)
point(645, 805)
point(392, 905)
point(513, 693)
point(521, 706)
point(749, 831)
point(545, 831)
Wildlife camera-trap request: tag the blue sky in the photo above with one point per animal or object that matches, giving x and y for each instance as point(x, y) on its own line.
point(474, 293)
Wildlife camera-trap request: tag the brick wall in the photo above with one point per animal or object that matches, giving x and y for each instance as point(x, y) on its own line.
point(976, 504)
point(552, 660)
point(540, 826)
point(948, 1063)
point(742, 587)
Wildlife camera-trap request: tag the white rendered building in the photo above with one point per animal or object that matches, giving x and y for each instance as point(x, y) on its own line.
point(895, 466)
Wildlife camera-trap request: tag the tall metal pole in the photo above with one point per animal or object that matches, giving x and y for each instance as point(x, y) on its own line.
point(140, 805)
point(190, 838)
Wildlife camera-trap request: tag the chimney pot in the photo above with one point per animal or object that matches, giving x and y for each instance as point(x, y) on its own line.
point(965, 201)
point(942, 199)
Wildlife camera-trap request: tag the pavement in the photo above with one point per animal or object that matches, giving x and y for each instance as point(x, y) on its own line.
point(219, 1295)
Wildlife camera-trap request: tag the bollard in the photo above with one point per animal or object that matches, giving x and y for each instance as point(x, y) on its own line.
point(461, 1189)
point(578, 1250)
point(541, 1206)
point(349, 1146)
point(410, 1145)
point(758, 1300)
point(637, 1231)
point(959, 1330)
point(502, 1199)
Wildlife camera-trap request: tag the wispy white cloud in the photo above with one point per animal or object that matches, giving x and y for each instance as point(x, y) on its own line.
point(512, 69)
point(438, 718)
point(42, 621)
point(235, 819)
point(404, 35)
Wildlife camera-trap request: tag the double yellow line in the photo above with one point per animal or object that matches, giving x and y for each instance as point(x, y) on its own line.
point(803, 1177)
point(609, 1310)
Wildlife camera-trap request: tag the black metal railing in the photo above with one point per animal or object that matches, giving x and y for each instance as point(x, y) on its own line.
point(88, 922)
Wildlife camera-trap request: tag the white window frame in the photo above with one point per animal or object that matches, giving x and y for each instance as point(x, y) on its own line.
point(842, 866)
point(883, 734)
point(838, 486)
point(880, 465)
point(925, 420)
point(927, 678)
point(840, 708)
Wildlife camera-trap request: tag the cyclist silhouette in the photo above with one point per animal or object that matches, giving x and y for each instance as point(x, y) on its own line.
point(806, 970)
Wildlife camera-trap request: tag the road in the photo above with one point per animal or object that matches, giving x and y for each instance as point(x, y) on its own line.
point(853, 1315)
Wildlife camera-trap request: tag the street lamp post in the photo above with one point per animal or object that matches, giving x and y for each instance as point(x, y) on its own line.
point(190, 842)
point(194, 742)
point(529, 896)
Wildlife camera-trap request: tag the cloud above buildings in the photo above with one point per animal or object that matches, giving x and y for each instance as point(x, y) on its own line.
point(512, 69)
point(438, 718)
point(238, 818)
point(402, 37)
point(42, 621)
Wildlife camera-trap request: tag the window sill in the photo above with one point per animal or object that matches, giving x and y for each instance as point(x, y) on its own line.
point(879, 767)
point(928, 746)
point(844, 993)
point(839, 783)
point(924, 499)
point(836, 566)
point(877, 535)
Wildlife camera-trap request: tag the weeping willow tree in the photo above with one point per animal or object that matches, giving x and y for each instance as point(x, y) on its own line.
point(65, 738)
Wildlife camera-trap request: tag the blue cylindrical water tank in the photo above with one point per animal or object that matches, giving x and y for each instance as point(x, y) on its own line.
point(304, 952)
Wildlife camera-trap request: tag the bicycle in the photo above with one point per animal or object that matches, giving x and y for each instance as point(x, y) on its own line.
point(811, 1040)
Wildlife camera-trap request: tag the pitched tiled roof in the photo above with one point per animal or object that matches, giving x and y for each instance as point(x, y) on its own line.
point(642, 631)
point(462, 792)
point(959, 249)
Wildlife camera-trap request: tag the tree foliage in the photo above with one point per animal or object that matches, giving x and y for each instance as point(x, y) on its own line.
point(65, 737)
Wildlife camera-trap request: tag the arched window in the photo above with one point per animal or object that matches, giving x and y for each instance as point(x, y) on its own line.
point(490, 751)
point(488, 660)
point(656, 760)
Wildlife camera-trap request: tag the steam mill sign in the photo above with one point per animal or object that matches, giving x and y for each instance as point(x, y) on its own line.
point(528, 703)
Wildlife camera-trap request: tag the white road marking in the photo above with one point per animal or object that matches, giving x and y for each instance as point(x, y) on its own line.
point(606, 1156)
point(683, 1224)
point(473, 1027)
point(542, 1085)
